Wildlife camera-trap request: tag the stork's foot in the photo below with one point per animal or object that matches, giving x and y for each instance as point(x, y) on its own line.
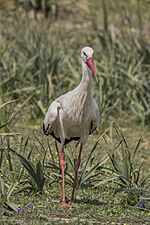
point(64, 203)
point(67, 202)
point(71, 202)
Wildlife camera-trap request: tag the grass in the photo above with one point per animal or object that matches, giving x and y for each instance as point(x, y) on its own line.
point(39, 60)
point(101, 204)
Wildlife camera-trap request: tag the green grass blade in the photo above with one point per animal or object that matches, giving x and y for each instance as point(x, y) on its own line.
point(27, 164)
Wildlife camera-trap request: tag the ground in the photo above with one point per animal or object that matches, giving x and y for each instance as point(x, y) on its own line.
point(92, 206)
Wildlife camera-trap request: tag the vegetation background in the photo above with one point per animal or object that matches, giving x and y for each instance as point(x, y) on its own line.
point(40, 44)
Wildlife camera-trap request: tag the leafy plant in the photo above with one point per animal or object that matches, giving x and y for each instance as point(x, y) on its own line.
point(125, 166)
point(122, 63)
point(35, 63)
point(89, 169)
point(140, 103)
point(37, 178)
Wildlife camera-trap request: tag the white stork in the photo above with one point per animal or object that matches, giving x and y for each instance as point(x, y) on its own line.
point(74, 115)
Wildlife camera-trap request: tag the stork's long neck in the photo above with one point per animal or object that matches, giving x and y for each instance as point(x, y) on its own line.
point(86, 81)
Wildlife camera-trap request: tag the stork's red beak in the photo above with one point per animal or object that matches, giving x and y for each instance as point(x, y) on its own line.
point(90, 64)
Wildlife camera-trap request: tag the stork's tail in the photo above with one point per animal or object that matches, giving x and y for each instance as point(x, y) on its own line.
point(46, 130)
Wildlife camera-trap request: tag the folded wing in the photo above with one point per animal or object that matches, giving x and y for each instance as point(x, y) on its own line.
point(50, 117)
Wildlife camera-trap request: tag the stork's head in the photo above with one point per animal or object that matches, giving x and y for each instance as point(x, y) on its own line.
point(87, 56)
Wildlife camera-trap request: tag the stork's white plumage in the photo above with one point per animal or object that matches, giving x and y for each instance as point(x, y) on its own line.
point(74, 115)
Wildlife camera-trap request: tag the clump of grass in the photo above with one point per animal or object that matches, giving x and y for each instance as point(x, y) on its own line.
point(29, 177)
point(37, 64)
point(36, 173)
point(89, 169)
point(30, 62)
point(122, 63)
point(126, 167)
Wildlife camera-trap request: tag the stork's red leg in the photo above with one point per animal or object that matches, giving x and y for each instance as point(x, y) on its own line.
point(76, 173)
point(62, 164)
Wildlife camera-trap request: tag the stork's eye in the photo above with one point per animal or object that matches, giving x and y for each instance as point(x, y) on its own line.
point(85, 54)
